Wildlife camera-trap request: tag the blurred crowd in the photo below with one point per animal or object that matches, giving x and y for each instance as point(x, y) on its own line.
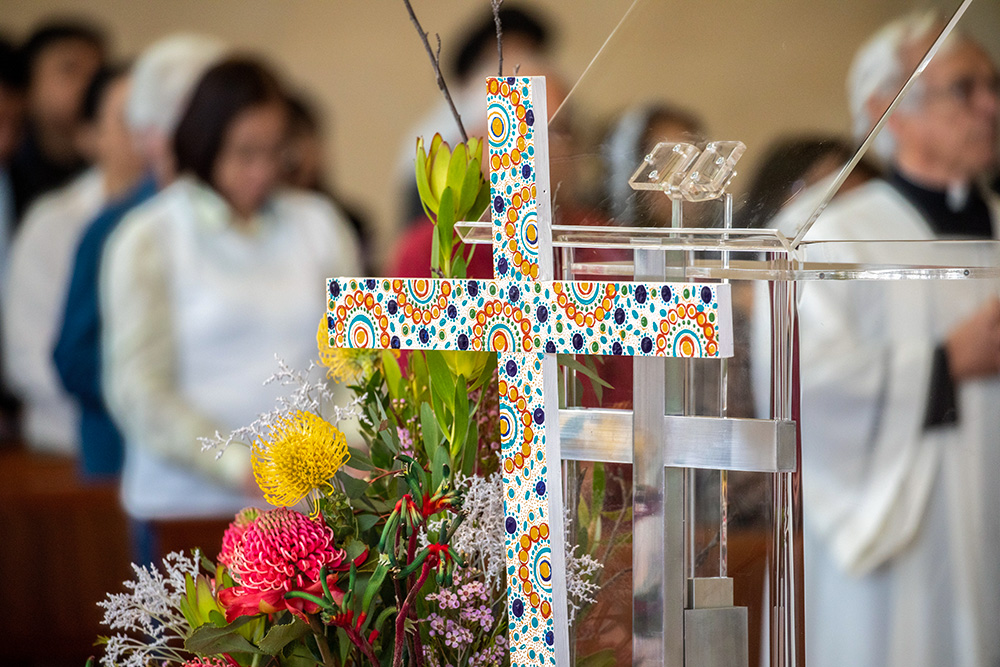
point(166, 226)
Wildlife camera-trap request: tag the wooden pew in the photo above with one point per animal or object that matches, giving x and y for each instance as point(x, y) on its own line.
point(63, 546)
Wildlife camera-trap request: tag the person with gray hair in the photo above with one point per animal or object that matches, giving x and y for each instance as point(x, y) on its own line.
point(900, 380)
point(162, 80)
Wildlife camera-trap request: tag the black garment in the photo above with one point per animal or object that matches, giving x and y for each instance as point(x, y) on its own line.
point(972, 221)
point(33, 173)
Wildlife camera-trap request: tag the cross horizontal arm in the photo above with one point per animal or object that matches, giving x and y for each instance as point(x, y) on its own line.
point(628, 318)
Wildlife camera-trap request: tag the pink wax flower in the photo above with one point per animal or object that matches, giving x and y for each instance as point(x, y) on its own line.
point(282, 551)
point(223, 661)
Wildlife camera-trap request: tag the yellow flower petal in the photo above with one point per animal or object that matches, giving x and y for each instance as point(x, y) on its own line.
point(298, 458)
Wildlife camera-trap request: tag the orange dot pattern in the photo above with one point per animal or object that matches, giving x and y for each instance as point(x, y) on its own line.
point(522, 319)
point(513, 191)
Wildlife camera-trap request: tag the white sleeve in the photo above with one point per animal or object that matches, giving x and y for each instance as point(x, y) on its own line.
point(139, 358)
point(27, 329)
point(868, 467)
point(343, 245)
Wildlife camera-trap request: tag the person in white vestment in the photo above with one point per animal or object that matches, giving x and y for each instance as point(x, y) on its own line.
point(202, 286)
point(900, 405)
point(41, 260)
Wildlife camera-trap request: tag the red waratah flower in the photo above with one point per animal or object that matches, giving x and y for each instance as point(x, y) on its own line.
point(244, 518)
point(282, 551)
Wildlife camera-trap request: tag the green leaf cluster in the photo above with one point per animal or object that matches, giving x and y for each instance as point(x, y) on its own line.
point(452, 189)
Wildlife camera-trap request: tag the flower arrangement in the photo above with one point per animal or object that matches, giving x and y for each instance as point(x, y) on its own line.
point(392, 556)
point(381, 548)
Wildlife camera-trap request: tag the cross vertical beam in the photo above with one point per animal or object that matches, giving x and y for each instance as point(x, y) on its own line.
point(526, 318)
point(517, 130)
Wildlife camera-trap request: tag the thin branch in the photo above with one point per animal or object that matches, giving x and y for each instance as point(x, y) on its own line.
point(436, 63)
point(320, 633)
point(404, 612)
point(495, 4)
point(624, 570)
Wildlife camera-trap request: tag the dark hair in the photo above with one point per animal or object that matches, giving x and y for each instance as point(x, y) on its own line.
point(97, 89)
point(661, 112)
point(12, 75)
point(483, 35)
point(54, 32)
point(226, 90)
point(303, 117)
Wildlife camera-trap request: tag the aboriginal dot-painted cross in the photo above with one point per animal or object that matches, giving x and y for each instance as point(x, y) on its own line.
point(526, 317)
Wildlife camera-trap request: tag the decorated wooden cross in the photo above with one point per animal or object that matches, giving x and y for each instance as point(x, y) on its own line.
point(526, 317)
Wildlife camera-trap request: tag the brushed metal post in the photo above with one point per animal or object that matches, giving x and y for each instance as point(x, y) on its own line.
point(786, 558)
point(658, 538)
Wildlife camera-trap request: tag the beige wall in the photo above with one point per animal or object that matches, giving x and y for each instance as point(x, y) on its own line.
point(753, 68)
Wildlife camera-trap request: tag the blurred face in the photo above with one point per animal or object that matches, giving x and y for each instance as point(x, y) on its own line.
point(660, 207)
point(115, 148)
point(59, 81)
point(305, 160)
point(953, 133)
point(250, 162)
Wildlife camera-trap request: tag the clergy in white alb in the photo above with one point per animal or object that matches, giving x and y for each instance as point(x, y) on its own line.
point(900, 388)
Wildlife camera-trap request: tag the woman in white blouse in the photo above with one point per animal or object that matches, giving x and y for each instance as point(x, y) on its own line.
point(202, 286)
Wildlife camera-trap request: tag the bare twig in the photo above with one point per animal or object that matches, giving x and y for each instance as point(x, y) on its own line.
point(436, 63)
point(320, 633)
point(495, 4)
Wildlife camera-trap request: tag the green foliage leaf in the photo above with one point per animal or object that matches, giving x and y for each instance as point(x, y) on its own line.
point(438, 463)
point(207, 564)
point(374, 584)
point(389, 436)
point(436, 251)
point(445, 230)
point(470, 187)
point(471, 449)
point(440, 154)
point(605, 658)
point(456, 172)
point(590, 372)
point(423, 185)
point(211, 640)
point(417, 368)
point(460, 424)
point(366, 522)
point(344, 644)
point(381, 454)
point(482, 201)
point(298, 656)
point(459, 267)
point(380, 621)
point(431, 435)
point(281, 634)
point(353, 487)
point(393, 374)
point(359, 460)
point(441, 380)
point(189, 603)
point(354, 548)
point(441, 414)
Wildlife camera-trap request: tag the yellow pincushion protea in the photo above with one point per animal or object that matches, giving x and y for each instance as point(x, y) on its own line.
point(343, 364)
point(299, 458)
